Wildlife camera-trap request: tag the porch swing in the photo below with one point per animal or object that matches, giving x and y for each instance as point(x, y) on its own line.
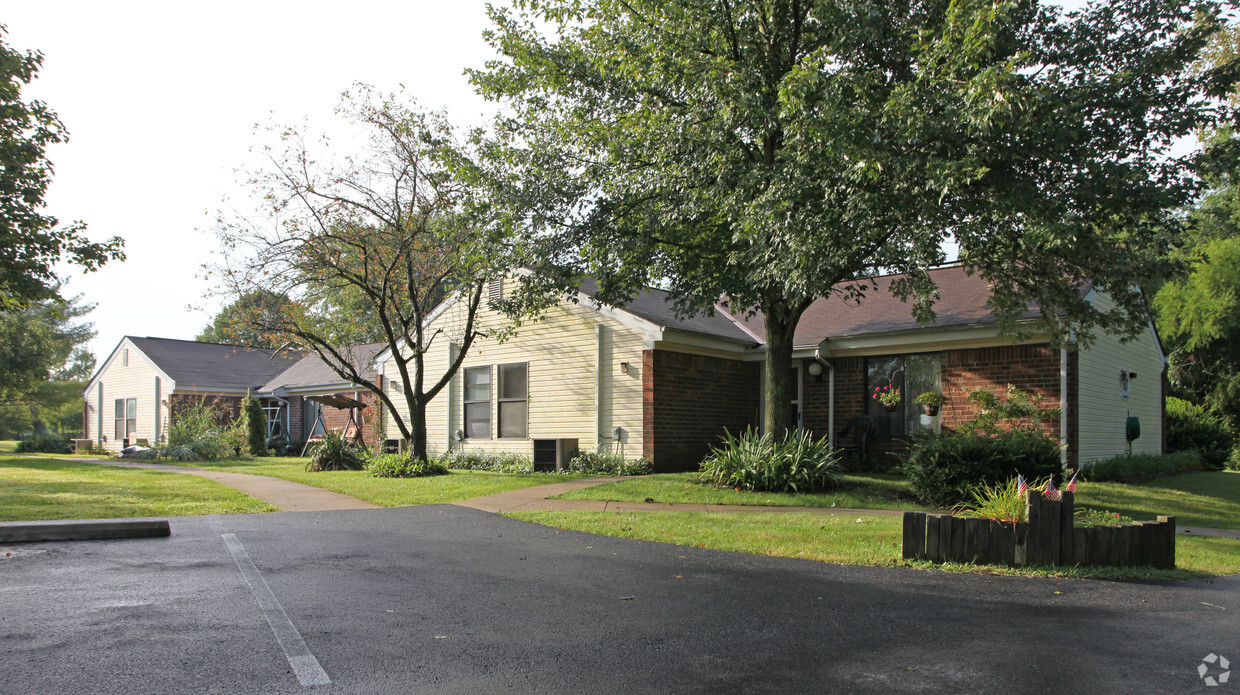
point(352, 430)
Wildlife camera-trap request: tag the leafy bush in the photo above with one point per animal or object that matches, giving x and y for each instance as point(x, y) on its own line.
point(486, 461)
point(1135, 468)
point(1192, 427)
point(1233, 462)
point(944, 469)
point(1015, 410)
point(403, 466)
point(335, 453)
point(194, 434)
point(796, 463)
point(44, 443)
point(602, 463)
point(255, 426)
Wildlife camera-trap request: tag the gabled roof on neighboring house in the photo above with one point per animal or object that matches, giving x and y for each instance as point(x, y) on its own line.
point(189, 362)
point(311, 370)
point(963, 301)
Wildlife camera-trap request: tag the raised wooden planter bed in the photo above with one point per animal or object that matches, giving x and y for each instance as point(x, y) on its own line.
point(1049, 537)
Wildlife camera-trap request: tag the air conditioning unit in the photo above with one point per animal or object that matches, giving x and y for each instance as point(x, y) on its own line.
point(553, 454)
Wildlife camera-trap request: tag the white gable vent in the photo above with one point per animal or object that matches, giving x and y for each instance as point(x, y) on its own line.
point(495, 290)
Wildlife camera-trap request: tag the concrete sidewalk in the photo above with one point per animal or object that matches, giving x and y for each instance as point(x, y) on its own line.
point(285, 494)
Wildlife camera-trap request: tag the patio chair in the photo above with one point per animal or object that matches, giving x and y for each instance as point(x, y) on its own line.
point(855, 437)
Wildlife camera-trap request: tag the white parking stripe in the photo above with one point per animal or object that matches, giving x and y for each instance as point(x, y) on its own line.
point(305, 666)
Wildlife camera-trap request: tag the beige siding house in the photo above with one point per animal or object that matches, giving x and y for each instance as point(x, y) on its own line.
point(140, 386)
point(663, 387)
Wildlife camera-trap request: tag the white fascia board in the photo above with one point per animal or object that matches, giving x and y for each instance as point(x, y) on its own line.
point(650, 330)
point(318, 389)
point(126, 343)
point(914, 339)
point(209, 390)
point(676, 336)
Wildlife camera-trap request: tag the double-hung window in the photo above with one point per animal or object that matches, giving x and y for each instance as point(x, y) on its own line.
point(513, 404)
point(126, 418)
point(478, 402)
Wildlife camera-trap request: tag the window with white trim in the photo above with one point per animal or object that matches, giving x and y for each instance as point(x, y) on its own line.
point(513, 407)
point(478, 402)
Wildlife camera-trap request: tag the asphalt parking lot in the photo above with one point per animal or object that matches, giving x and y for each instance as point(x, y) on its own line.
point(444, 599)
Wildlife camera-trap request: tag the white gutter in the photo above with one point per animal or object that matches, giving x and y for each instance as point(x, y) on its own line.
point(598, 386)
point(830, 395)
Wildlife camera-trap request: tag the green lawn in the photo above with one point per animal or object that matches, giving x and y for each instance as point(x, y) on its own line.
point(1194, 499)
point(388, 492)
point(851, 540)
point(8, 446)
point(860, 491)
point(33, 489)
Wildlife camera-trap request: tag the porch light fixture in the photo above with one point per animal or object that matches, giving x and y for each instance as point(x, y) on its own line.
point(624, 367)
point(814, 368)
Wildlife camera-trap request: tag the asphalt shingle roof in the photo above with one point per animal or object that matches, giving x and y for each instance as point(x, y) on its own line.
point(311, 369)
point(189, 362)
point(656, 306)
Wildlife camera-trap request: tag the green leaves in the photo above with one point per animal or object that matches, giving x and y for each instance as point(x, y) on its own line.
point(32, 242)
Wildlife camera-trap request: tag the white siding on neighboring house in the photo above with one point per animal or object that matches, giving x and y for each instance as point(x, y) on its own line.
point(561, 350)
point(124, 379)
point(1103, 409)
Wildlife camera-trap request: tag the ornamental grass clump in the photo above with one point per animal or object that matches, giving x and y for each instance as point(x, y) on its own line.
point(1002, 502)
point(335, 453)
point(761, 463)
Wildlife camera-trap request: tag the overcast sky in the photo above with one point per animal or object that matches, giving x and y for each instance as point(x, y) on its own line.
point(161, 100)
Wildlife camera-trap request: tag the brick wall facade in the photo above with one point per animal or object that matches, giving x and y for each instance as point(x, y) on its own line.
point(1031, 368)
point(688, 401)
point(227, 408)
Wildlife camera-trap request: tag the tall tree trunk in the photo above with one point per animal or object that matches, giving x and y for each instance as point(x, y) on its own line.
point(417, 427)
point(781, 323)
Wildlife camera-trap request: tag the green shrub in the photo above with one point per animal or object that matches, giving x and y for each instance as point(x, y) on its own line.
point(796, 463)
point(1192, 427)
point(256, 426)
point(1233, 462)
point(486, 461)
point(944, 469)
point(1135, 468)
point(44, 443)
point(403, 466)
point(599, 463)
point(335, 453)
point(195, 432)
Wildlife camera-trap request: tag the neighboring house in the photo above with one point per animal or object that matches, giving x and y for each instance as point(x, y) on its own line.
point(309, 396)
point(643, 382)
point(145, 381)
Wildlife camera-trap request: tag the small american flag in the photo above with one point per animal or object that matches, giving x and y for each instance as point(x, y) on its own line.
point(1050, 493)
point(1021, 486)
point(1071, 486)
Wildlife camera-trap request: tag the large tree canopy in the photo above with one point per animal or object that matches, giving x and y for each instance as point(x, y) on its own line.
point(45, 364)
point(769, 150)
point(369, 242)
point(31, 241)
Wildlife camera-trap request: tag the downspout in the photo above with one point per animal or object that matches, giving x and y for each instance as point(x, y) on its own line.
point(1063, 406)
point(157, 409)
point(598, 386)
point(830, 395)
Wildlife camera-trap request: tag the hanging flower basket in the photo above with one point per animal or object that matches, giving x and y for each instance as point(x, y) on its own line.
point(887, 396)
point(930, 401)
